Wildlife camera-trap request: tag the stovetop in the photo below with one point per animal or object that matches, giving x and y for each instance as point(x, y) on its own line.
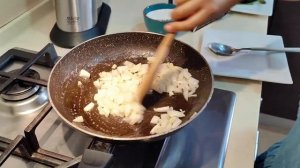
point(200, 144)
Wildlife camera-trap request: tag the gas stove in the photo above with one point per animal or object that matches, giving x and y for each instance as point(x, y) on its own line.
point(32, 135)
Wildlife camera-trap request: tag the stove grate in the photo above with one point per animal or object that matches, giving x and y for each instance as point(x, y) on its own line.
point(46, 57)
point(27, 146)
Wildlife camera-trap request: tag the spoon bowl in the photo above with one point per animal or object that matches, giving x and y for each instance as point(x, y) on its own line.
point(221, 49)
point(226, 50)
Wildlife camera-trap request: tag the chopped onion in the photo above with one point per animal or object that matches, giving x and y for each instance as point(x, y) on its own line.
point(79, 83)
point(163, 109)
point(97, 84)
point(164, 123)
point(176, 114)
point(154, 120)
point(117, 90)
point(78, 119)
point(84, 74)
point(89, 107)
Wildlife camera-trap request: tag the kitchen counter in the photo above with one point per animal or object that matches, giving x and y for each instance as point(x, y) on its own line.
point(31, 31)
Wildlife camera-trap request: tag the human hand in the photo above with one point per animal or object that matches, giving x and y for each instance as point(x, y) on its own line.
point(190, 13)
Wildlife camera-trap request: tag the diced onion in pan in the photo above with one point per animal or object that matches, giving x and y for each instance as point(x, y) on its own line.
point(166, 121)
point(154, 120)
point(164, 124)
point(84, 74)
point(117, 90)
point(174, 113)
point(89, 107)
point(78, 119)
point(163, 109)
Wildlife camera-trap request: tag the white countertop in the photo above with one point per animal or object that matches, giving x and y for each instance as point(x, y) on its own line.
point(31, 31)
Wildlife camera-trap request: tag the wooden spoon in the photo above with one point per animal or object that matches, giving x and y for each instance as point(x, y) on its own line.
point(159, 57)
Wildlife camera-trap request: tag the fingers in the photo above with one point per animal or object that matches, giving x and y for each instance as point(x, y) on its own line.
point(186, 9)
point(197, 19)
point(191, 13)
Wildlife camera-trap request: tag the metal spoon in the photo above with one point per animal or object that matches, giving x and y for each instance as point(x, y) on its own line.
point(225, 50)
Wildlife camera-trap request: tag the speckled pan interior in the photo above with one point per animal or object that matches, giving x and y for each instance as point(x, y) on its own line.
point(99, 54)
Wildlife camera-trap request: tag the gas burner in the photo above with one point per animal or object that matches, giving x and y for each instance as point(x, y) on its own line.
point(26, 106)
point(23, 97)
point(22, 90)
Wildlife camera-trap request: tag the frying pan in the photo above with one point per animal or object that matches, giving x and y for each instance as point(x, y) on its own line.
point(99, 54)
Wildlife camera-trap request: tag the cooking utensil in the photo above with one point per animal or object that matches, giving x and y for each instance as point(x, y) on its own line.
point(99, 54)
point(226, 50)
point(159, 57)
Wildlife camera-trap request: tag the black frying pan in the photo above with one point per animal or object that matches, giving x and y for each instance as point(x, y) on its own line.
point(99, 54)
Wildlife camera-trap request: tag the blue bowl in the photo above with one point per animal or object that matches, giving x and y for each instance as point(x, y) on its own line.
point(155, 25)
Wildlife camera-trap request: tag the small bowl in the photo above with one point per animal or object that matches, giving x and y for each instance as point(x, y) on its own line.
point(156, 16)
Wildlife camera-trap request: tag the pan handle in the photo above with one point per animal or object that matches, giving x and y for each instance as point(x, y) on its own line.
point(95, 159)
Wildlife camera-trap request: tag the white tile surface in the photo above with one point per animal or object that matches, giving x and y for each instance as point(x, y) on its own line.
point(255, 65)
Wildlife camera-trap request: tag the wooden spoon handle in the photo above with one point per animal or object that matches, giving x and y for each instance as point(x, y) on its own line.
point(161, 53)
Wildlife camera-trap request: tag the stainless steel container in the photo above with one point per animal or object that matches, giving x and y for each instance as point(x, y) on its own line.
point(76, 15)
